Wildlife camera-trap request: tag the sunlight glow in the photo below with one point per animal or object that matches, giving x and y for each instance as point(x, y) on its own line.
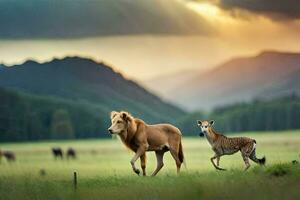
point(205, 9)
point(211, 12)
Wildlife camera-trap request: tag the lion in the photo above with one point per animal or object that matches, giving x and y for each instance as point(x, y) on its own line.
point(141, 137)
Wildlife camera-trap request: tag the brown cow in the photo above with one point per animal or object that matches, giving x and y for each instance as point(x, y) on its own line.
point(71, 153)
point(9, 155)
point(141, 137)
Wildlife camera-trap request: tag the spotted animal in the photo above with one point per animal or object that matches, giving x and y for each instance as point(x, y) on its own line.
point(223, 145)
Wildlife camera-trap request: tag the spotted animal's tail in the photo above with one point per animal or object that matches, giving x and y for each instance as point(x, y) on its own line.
point(261, 161)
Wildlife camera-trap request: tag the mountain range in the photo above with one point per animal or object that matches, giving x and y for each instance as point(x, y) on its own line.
point(83, 80)
point(267, 75)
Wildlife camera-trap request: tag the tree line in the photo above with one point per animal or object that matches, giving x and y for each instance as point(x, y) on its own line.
point(29, 117)
point(259, 115)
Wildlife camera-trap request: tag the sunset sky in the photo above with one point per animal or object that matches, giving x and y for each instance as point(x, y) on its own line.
point(231, 28)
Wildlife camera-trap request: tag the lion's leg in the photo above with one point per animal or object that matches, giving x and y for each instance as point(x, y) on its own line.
point(143, 163)
point(174, 154)
point(160, 161)
point(138, 154)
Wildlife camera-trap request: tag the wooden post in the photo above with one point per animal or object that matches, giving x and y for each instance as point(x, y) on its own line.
point(75, 180)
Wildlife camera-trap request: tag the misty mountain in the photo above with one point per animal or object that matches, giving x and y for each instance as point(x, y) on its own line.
point(285, 86)
point(242, 79)
point(80, 18)
point(168, 83)
point(86, 81)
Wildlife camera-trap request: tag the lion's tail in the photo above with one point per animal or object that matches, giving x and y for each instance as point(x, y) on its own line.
point(180, 154)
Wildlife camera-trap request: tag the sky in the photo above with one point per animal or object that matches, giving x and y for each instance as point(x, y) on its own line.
point(198, 36)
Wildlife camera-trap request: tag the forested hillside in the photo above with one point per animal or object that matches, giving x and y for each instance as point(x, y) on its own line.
point(30, 117)
point(83, 80)
point(71, 98)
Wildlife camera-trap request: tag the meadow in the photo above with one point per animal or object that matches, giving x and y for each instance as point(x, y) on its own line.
point(104, 171)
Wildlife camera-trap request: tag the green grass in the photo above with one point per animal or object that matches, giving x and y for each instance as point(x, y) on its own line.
point(104, 172)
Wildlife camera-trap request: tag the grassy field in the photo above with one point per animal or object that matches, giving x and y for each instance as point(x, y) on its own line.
point(104, 172)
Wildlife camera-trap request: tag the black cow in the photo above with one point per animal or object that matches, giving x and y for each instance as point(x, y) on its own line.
point(57, 152)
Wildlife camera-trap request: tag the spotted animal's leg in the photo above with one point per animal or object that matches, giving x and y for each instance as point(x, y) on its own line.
point(218, 161)
point(246, 152)
point(212, 161)
point(246, 160)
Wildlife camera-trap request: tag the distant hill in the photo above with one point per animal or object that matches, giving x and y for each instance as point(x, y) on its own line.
point(265, 75)
point(85, 81)
point(80, 18)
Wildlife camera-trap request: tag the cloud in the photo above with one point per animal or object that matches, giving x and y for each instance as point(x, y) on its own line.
point(274, 9)
point(81, 18)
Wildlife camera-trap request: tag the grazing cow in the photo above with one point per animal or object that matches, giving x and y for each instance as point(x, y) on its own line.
point(57, 152)
point(9, 155)
point(223, 145)
point(71, 153)
point(141, 137)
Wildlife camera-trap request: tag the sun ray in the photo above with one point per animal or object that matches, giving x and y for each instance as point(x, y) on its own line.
point(211, 12)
